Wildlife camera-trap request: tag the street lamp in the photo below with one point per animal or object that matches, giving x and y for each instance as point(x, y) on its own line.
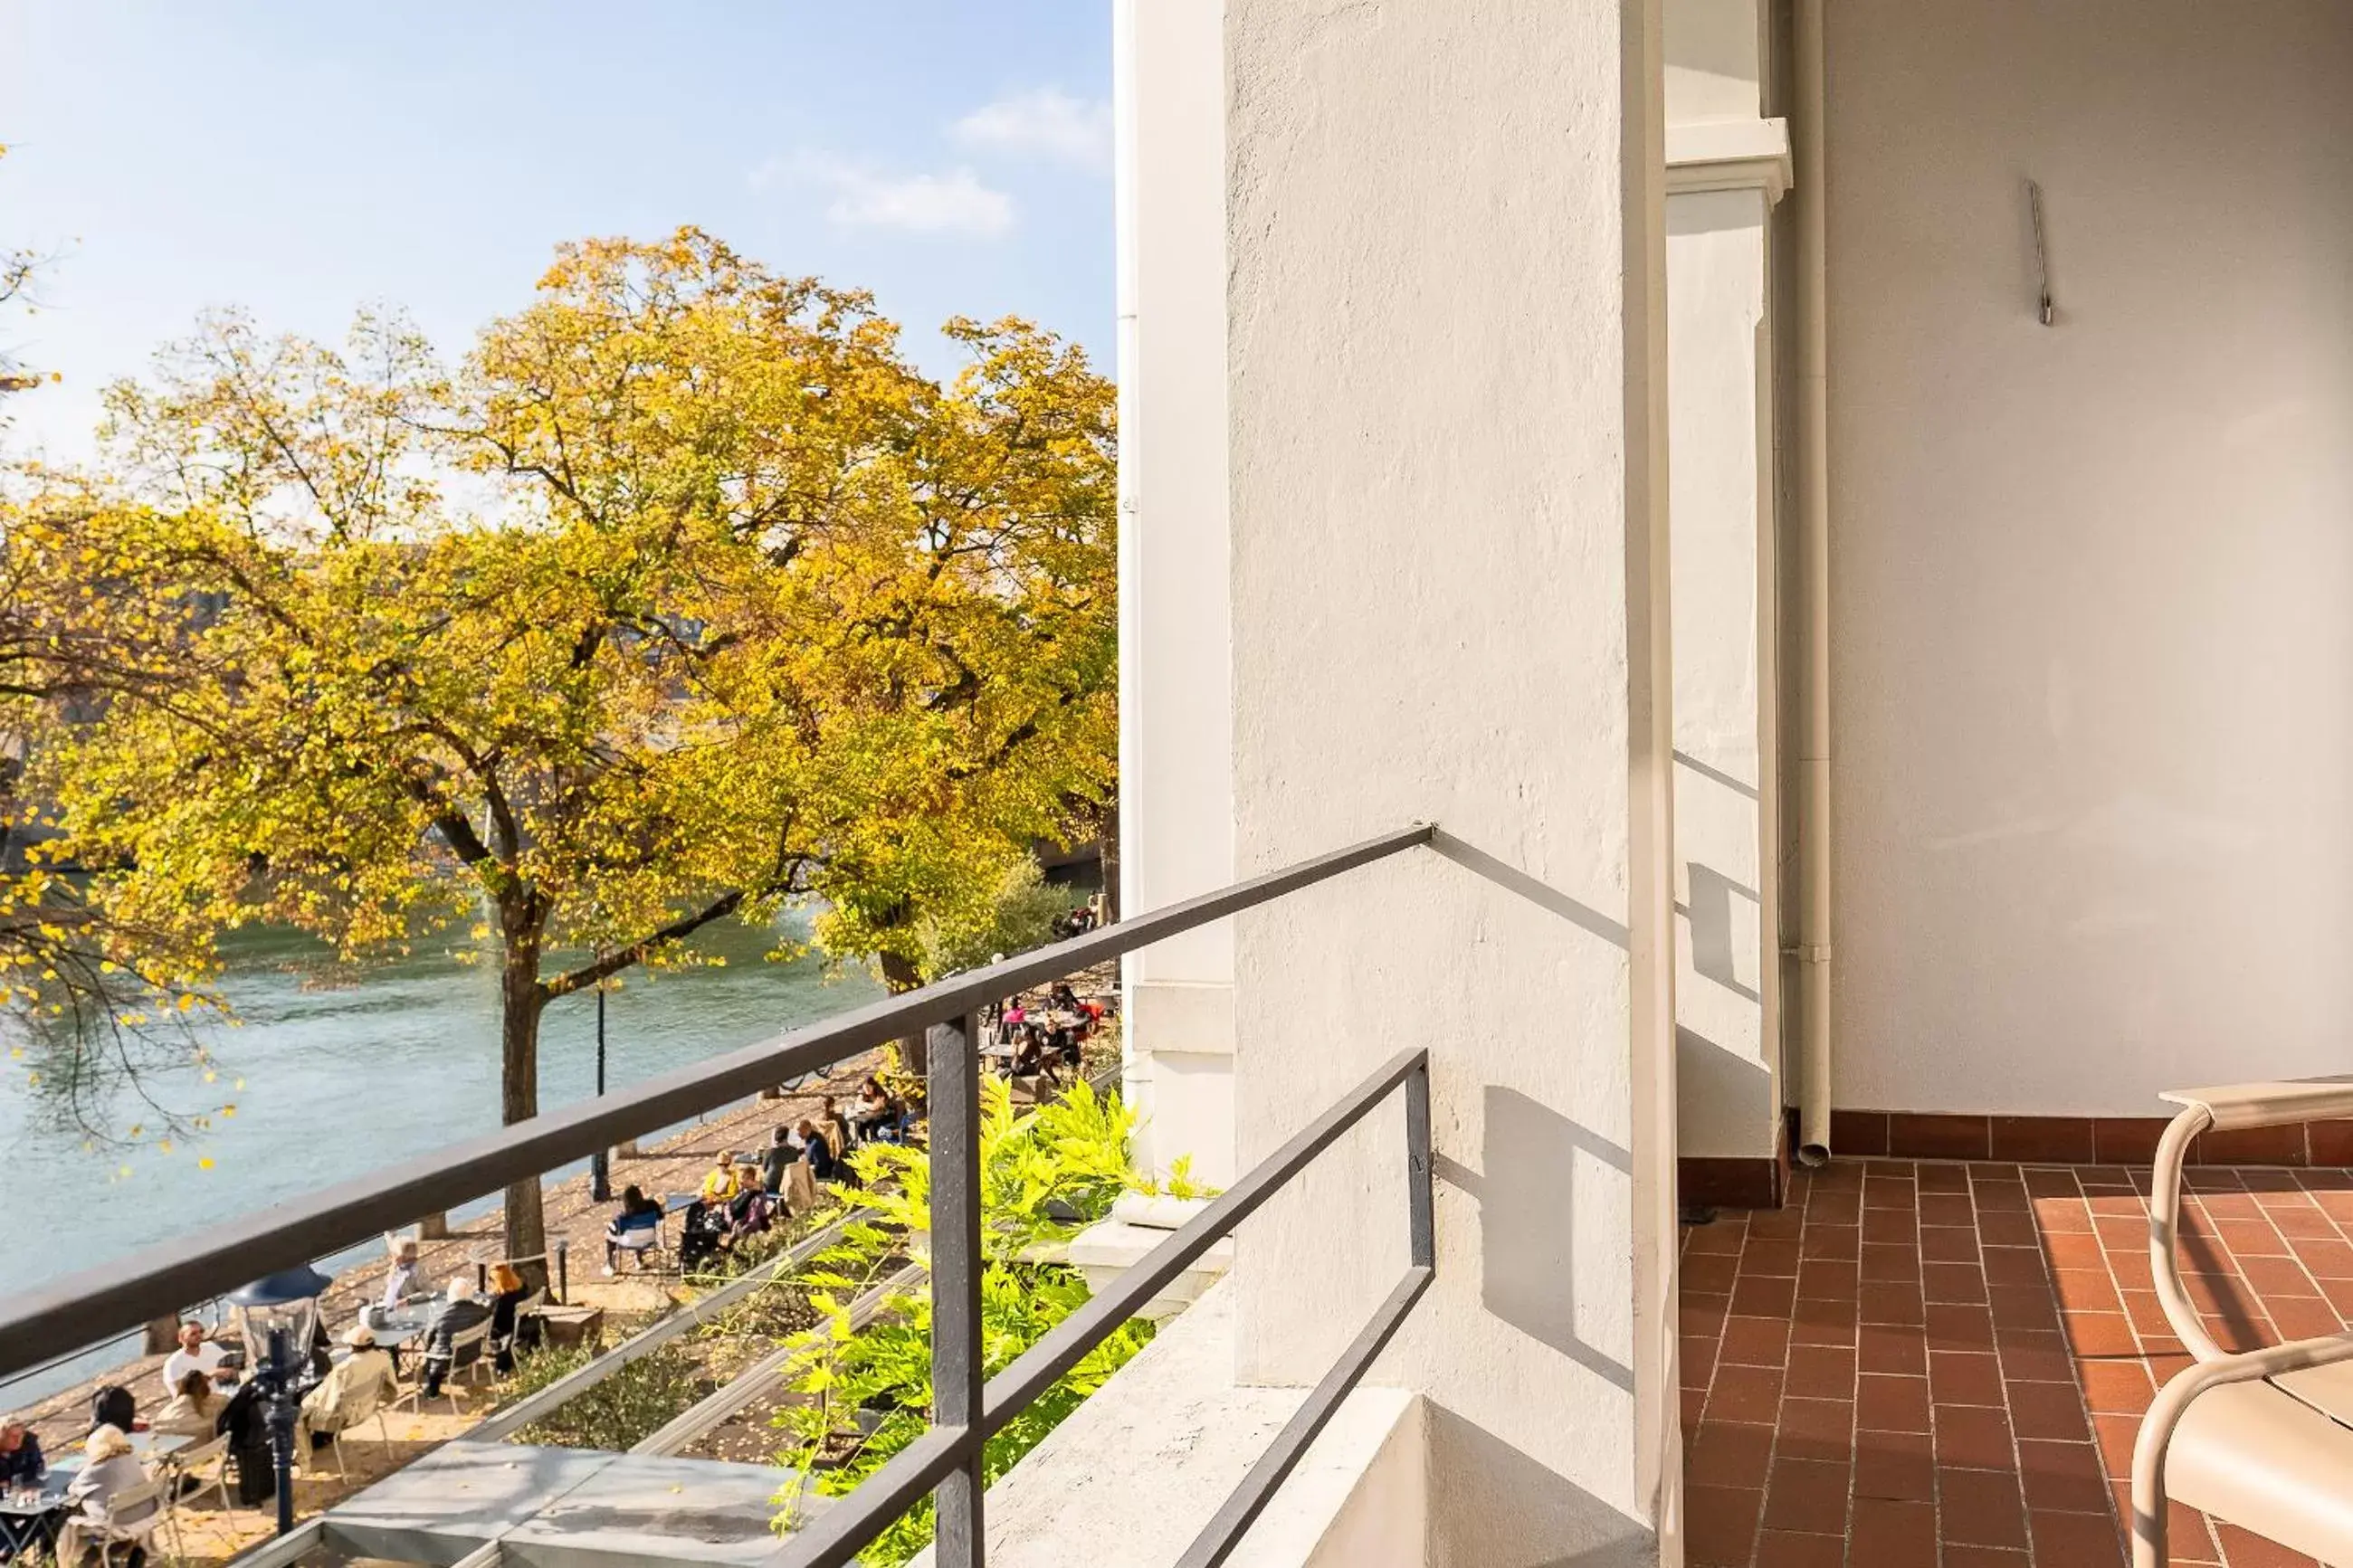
point(600, 1172)
point(280, 1311)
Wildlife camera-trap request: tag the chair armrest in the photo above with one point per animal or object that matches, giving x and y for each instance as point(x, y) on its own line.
point(2172, 1403)
point(2269, 1103)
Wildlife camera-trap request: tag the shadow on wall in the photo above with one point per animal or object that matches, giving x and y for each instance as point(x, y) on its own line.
point(1528, 1190)
point(1710, 913)
point(1492, 1505)
point(1528, 1241)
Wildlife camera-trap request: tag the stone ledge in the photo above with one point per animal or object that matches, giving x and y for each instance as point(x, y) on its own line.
point(1148, 1460)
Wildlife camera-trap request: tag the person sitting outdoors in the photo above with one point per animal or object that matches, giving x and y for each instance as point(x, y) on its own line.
point(21, 1464)
point(835, 1125)
point(113, 1406)
point(109, 1468)
point(194, 1410)
point(776, 1163)
point(721, 1187)
point(822, 1164)
point(639, 1217)
point(197, 1353)
point(354, 1389)
point(459, 1313)
point(508, 1293)
point(876, 1114)
point(406, 1282)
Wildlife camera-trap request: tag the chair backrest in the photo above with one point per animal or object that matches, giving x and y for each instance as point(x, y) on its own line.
point(647, 1220)
point(188, 1458)
point(133, 1507)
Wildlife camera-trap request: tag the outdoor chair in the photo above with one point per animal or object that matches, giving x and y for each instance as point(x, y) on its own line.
point(502, 1345)
point(468, 1350)
point(132, 1516)
point(181, 1468)
point(641, 1234)
point(335, 1438)
point(470, 1357)
point(2263, 1439)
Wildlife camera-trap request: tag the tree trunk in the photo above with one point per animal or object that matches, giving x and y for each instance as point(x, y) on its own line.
point(163, 1335)
point(1108, 843)
point(519, 1004)
point(899, 974)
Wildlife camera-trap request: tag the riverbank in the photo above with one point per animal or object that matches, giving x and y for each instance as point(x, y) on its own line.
point(676, 1164)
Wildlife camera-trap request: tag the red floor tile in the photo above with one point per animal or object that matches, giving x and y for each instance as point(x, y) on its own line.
point(1945, 1364)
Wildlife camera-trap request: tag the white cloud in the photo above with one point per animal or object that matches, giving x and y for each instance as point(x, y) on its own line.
point(1047, 122)
point(954, 201)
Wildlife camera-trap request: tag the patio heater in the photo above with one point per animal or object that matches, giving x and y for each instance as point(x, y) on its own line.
point(280, 1311)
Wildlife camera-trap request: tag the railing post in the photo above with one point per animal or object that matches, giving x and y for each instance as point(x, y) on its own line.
point(957, 1370)
point(1422, 1227)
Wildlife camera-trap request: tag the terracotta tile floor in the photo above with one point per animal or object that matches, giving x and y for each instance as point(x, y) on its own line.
point(1944, 1364)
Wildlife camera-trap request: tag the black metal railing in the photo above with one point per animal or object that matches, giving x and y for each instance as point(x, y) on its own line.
point(91, 1306)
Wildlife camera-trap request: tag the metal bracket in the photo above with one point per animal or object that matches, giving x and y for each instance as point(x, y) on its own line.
point(2047, 311)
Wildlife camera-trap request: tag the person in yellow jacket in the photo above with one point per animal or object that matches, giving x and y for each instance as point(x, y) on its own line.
point(723, 1185)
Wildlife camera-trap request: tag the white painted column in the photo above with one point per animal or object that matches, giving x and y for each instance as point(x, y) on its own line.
point(1176, 707)
point(1727, 167)
point(1450, 583)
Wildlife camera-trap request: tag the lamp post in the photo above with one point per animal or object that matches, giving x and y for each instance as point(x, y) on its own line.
point(280, 1313)
point(600, 1172)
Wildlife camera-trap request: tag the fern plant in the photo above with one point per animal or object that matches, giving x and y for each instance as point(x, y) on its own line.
point(866, 1392)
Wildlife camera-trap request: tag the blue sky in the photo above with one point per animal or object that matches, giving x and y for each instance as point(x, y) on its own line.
point(302, 159)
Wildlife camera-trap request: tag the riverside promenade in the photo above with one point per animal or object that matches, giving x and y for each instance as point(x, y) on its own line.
point(676, 1164)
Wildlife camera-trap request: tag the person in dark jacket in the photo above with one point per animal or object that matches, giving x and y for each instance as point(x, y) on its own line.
point(819, 1155)
point(113, 1406)
point(508, 1293)
point(20, 1455)
point(459, 1312)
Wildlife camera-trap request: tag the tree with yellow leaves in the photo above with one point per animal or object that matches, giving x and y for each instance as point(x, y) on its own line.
point(686, 596)
point(17, 268)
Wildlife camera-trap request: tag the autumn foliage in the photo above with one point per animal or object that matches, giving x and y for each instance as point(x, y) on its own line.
point(685, 596)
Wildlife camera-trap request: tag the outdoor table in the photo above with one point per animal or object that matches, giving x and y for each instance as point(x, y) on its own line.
point(395, 1332)
point(27, 1523)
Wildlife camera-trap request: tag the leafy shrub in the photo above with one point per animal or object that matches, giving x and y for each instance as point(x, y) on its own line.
point(619, 1412)
point(868, 1390)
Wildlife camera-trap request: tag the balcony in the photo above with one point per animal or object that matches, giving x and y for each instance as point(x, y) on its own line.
point(486, 1497)
point(1917, 1363)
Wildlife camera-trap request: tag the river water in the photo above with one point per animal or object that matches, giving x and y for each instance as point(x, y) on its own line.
point(342, 1074)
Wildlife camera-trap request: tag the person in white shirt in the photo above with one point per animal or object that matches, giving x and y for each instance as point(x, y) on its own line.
point(406, 1282)
point(197, 1353)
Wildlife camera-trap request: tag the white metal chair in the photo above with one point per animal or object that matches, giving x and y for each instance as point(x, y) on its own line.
point(335, 1438)
point(504, 1344)
point(2263, 1438)
point(473, 1368)
point(132, 1516)
point(181, 1467)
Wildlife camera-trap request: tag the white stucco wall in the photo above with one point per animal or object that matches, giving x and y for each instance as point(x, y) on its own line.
point(1448, 592)
point(1728, 1057)
point(2094, 583)
point(1176, 710)
point(1726, 166)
